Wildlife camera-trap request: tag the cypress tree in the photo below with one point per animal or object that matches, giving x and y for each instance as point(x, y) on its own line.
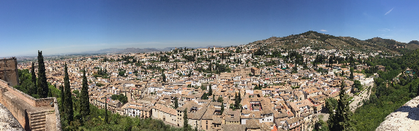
point(33, 89)
point(68, 103)
point(237, 101)
point(176, 103)
point(33, 74)
point(222, 106)
point(341, 120)
point(185, 120)
point(417, 93)
point(163, 77)
point(84, 98)
point(62, 99)
point(42, 79)
point(330, 61)
point(106, 110)
point(352, 74)
point(210, 91)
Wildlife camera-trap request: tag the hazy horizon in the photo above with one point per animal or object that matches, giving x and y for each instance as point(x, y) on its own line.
point(57, 27)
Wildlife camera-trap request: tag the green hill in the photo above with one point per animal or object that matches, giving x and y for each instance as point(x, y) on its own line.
point(318, 40)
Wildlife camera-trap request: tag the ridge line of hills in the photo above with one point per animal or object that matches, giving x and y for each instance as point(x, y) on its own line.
point(318, 40)
point(313, 39)
point(310, 38)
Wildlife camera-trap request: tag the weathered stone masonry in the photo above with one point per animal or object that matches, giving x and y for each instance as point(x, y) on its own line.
point(9, 71)
point(42, 114)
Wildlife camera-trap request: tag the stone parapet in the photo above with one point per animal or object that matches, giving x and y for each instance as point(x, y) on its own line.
point(406, 118)
point(21, 105)
point(7, 121)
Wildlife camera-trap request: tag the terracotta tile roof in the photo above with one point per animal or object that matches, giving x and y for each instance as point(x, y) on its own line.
point(233, 127)
point(165, 109)
point(252, 124)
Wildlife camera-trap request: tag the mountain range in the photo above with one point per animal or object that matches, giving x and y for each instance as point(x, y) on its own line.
point(136, 50)
point(324, 41)
point(313, 39)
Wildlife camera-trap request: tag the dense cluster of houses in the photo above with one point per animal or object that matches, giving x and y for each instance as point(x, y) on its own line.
point(287, 100)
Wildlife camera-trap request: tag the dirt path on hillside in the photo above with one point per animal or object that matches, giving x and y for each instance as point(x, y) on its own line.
point(364, 95)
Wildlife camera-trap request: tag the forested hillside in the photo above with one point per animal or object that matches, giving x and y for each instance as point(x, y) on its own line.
point(392, 90)
point(317, 40)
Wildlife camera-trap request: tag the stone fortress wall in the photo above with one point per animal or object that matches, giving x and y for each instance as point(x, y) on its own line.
point(22, 106)
point(9, 71)
point(8, 122)
point(406, 118)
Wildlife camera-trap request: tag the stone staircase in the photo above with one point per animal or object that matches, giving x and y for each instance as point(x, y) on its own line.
point(38, 121)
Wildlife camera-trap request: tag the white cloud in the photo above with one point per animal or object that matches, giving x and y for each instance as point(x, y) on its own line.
point(385, 30)
point(323, 30)
point(388, 12)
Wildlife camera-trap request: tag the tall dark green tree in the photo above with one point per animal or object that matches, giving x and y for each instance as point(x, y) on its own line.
point(222, 105)
point(33, 90)
point(237, 101)
point(417, 93)
point(163, 77)
point(330, 61)
point(176, 103)
point(185, 120)
point(84, 98)
point(106, 110)
point(210, 91)
point(42, 79)
point(190, 74)
point(33, 74)
point(68, 101)
point(331, 105)
point(342, 119)
point(62, 99)
point(240, 97)
point(351, 76)
point(294, 69)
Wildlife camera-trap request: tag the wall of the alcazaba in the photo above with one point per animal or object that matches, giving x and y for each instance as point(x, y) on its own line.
point(28, 99)
point(44, 102)
point(57, 115)
point(25, 97)
point(9, 71)
point(19, 111)
point(406, 118)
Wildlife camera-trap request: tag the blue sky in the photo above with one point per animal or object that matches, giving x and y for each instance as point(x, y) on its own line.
point(61, 26)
